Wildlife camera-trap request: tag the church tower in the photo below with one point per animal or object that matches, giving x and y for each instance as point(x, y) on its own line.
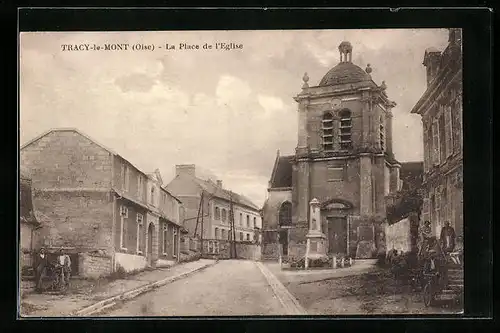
point(343, 160)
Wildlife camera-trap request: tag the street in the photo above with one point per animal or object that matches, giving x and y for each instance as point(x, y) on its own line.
point(230, 288)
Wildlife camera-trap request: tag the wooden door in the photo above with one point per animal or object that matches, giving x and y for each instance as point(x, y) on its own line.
point(337, 235)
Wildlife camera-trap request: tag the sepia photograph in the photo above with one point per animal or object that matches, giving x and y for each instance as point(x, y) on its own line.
point(240, 173)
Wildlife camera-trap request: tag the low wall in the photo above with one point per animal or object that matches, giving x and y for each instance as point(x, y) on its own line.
point(270, 251)
point(164, 263)
point(130, 262)
point(402, 235)
point(94, 265)
point(221, 249)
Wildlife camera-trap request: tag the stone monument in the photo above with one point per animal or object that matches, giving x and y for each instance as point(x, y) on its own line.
point(316, 239)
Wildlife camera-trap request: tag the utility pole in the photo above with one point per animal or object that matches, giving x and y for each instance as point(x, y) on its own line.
point(202, 229)
point(233, 229)
point(198, 215)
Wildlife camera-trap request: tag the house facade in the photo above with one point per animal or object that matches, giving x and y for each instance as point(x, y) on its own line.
point(96, 203)
point(329, 197)
point(215, 208)
point(441, 110)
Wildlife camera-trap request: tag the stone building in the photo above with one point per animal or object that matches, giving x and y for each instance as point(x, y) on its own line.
point(441, 109)
point(216, 207)
point(98, 205)
point(28, 222)
point(329, 196)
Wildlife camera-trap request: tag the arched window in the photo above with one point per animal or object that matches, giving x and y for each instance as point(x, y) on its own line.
point(328, 131)
point(382, 132)
point(216, 233)
point(217, 213)
point(224, 215)
point(285, 214)
point(345, 129)
point(248, 221)
point(255, 222)
point(223, 234)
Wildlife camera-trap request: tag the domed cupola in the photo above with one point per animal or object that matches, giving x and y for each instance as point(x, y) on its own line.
point(345, 71)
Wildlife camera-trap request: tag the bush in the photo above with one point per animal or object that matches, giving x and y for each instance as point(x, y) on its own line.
point(119, 273)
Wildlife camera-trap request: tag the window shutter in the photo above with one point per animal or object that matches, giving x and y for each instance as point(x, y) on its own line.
point(426, 210)
point(435, 143)
point(448, 131)
point(426, 149)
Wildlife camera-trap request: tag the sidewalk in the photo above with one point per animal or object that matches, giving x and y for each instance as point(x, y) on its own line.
point(47, 305)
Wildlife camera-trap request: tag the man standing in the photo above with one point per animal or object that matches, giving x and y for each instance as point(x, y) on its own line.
point(447, 238)
point(64, 261)
point(41, 263)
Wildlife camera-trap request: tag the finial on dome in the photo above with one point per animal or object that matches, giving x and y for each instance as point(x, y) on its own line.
point(368, 69)
point(305, 78)
point(345, 49)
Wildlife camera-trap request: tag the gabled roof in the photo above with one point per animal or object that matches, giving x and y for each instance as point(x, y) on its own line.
point(156, 175)
point(219, 192)
point(68, 129)
point(282, 172)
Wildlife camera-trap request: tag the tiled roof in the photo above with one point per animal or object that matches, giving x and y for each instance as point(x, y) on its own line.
point(282, 176)
point(344, 72)
point(213, 189)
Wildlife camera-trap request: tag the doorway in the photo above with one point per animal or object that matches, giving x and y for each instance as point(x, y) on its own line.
point(283, 237)
point(337, 235)
point(149, 253)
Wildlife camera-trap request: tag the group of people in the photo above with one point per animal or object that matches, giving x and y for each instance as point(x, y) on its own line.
point(42, 263)
point(447, 242)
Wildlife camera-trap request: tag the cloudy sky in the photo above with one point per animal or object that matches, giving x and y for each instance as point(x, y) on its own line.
point(227, 111)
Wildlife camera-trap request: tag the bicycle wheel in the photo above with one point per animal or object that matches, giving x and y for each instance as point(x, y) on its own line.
point(428, 295)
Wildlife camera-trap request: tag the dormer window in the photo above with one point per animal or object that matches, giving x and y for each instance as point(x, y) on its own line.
point(328, 131)
point(345, 129)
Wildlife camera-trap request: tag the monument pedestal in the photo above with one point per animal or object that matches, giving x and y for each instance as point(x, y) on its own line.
point(316, 244)
point(316, 240)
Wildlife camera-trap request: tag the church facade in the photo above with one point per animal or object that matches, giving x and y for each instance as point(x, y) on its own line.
point(329, 197)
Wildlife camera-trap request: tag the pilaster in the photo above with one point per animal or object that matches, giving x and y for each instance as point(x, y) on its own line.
point(366, 188)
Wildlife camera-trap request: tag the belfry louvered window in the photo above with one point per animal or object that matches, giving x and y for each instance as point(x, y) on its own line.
point(345, 129)
point(328, 131)
point(382, 133)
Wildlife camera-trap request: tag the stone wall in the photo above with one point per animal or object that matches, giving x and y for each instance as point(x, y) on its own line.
point(130, 262)
point(79, 219)
point(244, 250)
point(402, 235)
point(94, 265)
point(66, 159)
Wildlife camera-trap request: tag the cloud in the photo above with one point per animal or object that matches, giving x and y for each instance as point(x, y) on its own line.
point(226, 111)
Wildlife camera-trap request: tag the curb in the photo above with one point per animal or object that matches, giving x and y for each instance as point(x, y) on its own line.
point(290, 303)
point(109, 302)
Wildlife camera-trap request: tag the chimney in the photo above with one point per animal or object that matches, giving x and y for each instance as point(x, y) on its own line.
point(431, 61)
point(185, 169)
point(219, 183)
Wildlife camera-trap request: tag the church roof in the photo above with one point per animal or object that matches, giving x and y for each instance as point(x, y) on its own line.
point(282, 175)
point(344, 72)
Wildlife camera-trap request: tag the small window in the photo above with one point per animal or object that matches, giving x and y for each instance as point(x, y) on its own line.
point(223, 234)
point(217, 213)
point(248, 221)
point(165, 233)
point(217, 233)
point(241, 219)
point(152, 195)
point(241, 236)
point(224, 215)
point(335, 174)
point(248, 237)
point(139, 235)
point(255, 222)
